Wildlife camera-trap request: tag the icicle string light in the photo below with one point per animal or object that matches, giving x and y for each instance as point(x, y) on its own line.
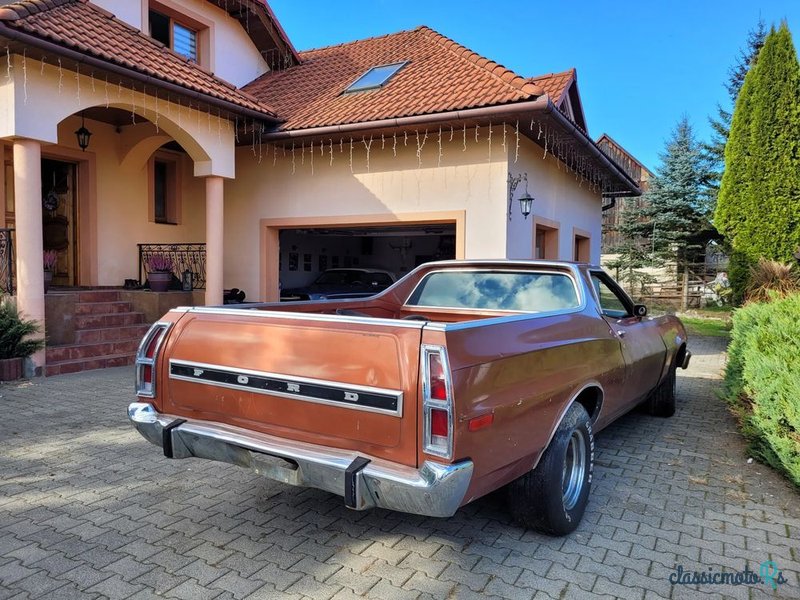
point(420, 146)
point(78, 82)
point(452, 131)
point(41, 66)
point(312, 157)
point(394, 145)
point(405, 139)
point(331, 152)
point(383, 142)
point(439, 158)
point(465, 138)
point(8, 63)
point(25, 74)
point(303, 154)
point(504, 137)
point(490, 140)
point(60, 76)
point(293, 160)
point(351, 155)
point(91, 79)
point(368, 146)
point(516, 151)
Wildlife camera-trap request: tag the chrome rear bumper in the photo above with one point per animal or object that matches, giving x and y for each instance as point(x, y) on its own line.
point(434, 489)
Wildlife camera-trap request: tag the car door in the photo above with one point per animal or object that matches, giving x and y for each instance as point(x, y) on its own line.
point(639, 337)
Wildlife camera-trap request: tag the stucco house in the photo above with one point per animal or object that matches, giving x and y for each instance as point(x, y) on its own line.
point(258, 166)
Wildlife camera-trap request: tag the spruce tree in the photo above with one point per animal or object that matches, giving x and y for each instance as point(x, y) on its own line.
point(673, 219)
point(758, 209)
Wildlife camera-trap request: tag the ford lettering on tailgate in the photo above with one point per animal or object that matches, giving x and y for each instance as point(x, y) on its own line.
point(310, 390)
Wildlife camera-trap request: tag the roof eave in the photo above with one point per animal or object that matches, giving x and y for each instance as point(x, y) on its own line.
point(16, 35)
point(542, 105)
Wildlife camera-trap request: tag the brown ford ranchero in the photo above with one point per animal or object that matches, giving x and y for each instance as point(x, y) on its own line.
point(461, 378)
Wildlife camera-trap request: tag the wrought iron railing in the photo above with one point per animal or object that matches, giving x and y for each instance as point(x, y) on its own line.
point(6, 261)
point(184, 257)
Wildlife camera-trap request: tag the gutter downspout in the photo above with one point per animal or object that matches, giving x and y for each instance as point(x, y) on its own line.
point(30, 40)
point(541, 104)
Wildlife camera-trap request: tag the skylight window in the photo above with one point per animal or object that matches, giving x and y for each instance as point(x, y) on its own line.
point(375, 77)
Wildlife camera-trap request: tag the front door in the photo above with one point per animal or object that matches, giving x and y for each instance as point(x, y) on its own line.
point(60, 218)
point(640, 340)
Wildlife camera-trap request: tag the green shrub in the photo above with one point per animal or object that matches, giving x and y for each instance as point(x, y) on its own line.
point(16, 332)
point(762, 381)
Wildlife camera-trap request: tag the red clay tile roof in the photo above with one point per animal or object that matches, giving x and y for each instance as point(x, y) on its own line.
point(78, 25)
point(440, 76)
point(555, 85)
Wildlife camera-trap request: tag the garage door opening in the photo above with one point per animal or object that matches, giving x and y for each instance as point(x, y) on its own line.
point(305, 254)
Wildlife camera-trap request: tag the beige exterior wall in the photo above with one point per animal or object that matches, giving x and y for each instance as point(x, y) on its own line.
point(468, 181)
point(558, 199)
point(224, 38)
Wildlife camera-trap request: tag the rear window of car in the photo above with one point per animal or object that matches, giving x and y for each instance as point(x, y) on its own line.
point(496, 290)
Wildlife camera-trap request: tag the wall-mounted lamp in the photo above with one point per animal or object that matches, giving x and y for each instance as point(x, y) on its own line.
point(525, 201)
point(83, 135)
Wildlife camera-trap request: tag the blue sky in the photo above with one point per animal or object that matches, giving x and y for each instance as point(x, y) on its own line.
point(641, 64)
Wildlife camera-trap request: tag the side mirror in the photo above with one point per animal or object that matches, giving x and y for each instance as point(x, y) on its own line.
point(640, 310)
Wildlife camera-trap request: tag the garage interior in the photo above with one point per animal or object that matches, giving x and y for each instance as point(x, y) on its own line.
point(306, 253)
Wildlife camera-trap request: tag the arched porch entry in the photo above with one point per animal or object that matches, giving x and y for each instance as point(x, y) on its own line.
point(110, 175)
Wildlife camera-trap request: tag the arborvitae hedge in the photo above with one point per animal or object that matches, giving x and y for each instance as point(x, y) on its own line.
point(758, 209)
point(762, 381)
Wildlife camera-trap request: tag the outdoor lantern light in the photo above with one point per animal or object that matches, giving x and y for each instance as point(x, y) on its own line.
point(83, 135)
point(525, 204)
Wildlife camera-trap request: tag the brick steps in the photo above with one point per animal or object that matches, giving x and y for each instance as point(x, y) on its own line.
point(88, 364)
point(107, 334)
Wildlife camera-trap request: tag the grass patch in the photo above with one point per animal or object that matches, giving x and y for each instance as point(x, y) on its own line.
point(706, 326)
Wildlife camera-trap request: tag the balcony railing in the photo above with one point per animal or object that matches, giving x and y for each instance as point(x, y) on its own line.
point(185, 257)
point(6, 261)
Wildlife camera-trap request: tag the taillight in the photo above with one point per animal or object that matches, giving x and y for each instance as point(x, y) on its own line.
point(437, 402)
point(146, 357)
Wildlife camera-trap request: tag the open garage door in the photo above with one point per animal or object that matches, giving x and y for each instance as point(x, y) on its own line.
point(368, 252)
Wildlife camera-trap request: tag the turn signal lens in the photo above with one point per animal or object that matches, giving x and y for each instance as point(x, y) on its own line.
point(437, 382)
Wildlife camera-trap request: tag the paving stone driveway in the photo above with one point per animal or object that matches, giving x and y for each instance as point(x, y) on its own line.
point(89, 509)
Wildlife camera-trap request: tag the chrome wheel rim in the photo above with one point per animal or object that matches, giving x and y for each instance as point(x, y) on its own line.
point(574, 469)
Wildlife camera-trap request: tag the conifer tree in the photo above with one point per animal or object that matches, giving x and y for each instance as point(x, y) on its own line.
point(671, 222)
point(721, 124)
point(758, 209)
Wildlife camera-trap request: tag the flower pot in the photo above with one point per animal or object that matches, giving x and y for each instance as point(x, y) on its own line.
point(10, 369)
point(48, 279)
point(159, 282)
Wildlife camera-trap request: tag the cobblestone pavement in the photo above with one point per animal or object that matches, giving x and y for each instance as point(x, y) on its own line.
point(89, 509)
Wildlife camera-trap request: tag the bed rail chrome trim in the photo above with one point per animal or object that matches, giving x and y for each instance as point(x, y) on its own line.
point(296, 316)
point(344, 395)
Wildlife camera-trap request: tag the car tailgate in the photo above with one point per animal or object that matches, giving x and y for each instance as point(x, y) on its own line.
point(340, 382)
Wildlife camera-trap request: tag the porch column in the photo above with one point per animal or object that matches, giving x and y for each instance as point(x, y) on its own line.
point(214, 240)
point(28, 235)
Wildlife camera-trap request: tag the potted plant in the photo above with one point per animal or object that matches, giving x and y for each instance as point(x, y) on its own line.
point(50, 258)
point(159, 272)
point(15, 341)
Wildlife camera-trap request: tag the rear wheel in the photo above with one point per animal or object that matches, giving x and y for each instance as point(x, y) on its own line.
point(553, 497)
point(662, 401)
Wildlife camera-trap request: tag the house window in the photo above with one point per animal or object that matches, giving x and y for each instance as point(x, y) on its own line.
point(582, 248)
point(375, 77)
point(164, 189)
point(174, 34)
point(546, 239)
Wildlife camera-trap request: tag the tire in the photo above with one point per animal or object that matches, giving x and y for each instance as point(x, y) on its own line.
point(552, 498)
point(662, 401)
